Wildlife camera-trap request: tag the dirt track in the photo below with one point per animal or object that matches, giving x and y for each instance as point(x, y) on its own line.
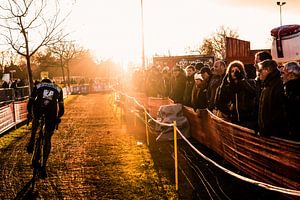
point(93, 157)
point(96, 154)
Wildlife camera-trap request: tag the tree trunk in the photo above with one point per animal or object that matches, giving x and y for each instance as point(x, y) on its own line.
point(68, 75)
point(63, 72)
point(30, 79)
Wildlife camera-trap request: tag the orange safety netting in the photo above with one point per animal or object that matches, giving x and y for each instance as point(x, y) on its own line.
point(272, 160)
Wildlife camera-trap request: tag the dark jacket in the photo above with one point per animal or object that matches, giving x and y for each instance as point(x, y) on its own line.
point(272, 119)
point(213, 84)
point(177, 88)
point(153, 83)
point(189, 85)
point(237, 101)
point(46, 98)
point(199, 96)
point(166, 86)
point(292, 93)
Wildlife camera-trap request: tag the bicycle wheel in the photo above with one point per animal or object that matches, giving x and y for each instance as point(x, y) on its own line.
point(37, 156)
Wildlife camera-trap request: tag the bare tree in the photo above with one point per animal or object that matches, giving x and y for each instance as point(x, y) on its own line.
point(7, 58)
point(66, 51)
point(29, 25)
point(215, 44)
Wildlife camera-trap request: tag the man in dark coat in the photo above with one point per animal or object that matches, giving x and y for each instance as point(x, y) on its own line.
point(259, 57)
point(272, 119)
point(189, 84)
point(290, 75)
point(218, 72)
point(178, 80)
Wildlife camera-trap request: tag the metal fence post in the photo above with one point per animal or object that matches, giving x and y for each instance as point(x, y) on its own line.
point(146, 122)
point(175, 155)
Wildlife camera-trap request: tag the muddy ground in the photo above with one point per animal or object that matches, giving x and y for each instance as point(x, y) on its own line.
point(100, 152)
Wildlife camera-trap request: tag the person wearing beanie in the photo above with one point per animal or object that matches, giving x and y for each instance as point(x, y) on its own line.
point(199, 66)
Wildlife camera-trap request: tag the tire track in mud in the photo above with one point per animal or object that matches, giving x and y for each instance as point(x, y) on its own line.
point(92, 157)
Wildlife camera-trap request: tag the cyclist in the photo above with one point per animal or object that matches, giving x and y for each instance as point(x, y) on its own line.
point(43, 101)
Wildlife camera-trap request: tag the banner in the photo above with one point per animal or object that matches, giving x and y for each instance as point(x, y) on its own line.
point(6, 77)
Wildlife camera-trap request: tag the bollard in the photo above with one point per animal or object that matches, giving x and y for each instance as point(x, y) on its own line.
point(146, 123)
point(175, 155)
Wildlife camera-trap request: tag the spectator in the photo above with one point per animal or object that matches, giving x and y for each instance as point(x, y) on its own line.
point(290, 75)
point(198, 66)
point(21, 83)
point(259, 57)
point(178, 80)
point(250, 70)
point(205, 74)
point(236, 96)
point(153, 82)
point(14, 87)
point(272, 119)
point(189, 84)
point(14, 84)
point(199, 99)
point(5, 85)
point(218, 72)
point(166, 85)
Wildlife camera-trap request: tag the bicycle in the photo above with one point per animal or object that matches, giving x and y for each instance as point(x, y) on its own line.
point(37, 156)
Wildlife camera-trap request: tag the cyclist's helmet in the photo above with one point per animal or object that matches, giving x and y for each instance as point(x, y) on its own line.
point(46, 80)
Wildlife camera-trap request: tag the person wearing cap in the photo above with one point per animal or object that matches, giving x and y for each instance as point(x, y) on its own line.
point(199, 99)
point(290, 74)
point(199, 66)
point(235, 97)
point(204, 75)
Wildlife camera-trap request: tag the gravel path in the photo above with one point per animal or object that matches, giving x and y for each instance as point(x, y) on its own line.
point(93, 156)
point(97, 154)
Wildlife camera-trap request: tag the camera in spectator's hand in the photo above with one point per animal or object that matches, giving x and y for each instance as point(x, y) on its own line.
point(238, 75)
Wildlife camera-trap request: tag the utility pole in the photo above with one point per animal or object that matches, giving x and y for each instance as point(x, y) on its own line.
point(143, 45)
point(280, 4)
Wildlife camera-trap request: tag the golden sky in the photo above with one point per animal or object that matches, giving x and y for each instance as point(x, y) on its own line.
point(112, 28)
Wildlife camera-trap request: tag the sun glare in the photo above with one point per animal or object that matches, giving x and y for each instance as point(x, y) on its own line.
point(112, 29)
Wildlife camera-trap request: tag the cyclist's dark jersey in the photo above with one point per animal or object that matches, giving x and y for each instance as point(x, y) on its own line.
point(43, 100)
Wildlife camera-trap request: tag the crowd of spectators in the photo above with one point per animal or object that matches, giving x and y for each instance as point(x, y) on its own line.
point(268, 103)
point(12, 89)
point(13, 83)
